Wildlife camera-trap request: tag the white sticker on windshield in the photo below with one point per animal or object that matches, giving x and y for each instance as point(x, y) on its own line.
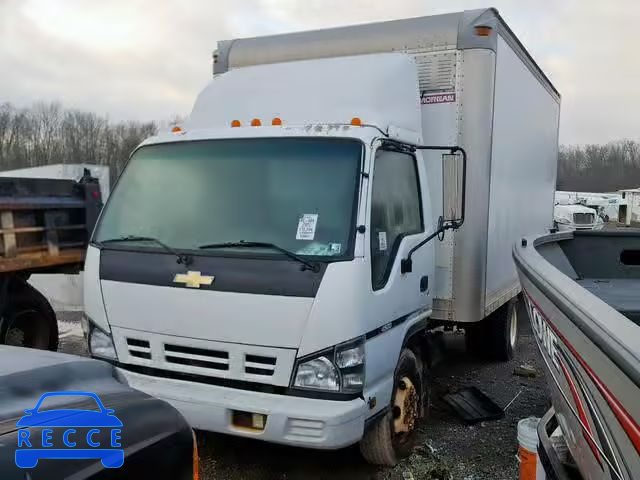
point(335, 248)
point(382, 241)
point(307, 226)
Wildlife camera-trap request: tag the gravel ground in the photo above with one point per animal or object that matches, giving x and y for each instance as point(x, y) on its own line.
point(447, 450)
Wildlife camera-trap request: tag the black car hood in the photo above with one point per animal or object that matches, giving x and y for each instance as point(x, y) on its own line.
point(25, 374)
point(148, 424)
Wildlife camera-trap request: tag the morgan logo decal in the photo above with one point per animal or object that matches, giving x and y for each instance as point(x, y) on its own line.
point(431, 98)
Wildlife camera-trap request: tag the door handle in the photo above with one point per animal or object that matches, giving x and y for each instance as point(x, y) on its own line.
point(424, 283)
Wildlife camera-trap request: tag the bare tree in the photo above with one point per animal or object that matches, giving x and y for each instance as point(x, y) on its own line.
point(599, 168)
point(46, 134)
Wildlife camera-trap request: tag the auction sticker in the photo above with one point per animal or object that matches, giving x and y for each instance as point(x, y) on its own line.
point(382, 241)
point(307, 226)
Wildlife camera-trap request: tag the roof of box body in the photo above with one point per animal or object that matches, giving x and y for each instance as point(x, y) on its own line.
point(451, 30)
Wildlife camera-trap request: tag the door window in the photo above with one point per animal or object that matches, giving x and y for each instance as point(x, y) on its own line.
point(395, 210)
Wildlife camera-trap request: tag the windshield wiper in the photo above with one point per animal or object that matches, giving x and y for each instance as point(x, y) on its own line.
point(308, 265)
point(182, 258)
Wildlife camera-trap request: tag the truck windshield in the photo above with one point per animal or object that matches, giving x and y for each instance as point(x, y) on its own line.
point(297, 193)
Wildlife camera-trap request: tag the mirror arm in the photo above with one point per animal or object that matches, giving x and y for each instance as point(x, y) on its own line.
point(406, 264)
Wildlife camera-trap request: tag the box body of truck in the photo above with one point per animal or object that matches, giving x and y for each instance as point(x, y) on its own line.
point(252, 267)
point(483, 92)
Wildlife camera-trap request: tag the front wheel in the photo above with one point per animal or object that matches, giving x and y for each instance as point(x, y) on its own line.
point(28, 319)
point(393, 436)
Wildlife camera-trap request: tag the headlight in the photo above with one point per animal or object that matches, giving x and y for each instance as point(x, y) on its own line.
point(565, 221)
point(349, 356)
point(318, 373)
point(100, 343)
point(337, 369)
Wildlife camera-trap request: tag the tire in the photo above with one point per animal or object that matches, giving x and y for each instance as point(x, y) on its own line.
point(390, 438)
point(495, 337)
point(28, 319)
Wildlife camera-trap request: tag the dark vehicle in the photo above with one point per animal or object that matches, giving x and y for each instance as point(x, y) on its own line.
point(45, 225)
point(63, 416)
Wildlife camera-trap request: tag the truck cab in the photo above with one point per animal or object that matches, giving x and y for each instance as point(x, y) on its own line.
point(281, 298)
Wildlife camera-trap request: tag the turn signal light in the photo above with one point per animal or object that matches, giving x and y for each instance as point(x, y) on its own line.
point(356, 122)
point(256, 122)
point(236, 123)
point(176, 129)
point(276, 122)
point(483, 30)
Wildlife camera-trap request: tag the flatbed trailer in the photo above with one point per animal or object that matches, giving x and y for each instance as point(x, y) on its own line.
point(45, 225)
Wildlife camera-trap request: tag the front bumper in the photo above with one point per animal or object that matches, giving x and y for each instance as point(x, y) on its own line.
point(296, 421)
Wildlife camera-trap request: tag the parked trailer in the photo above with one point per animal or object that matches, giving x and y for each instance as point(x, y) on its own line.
point(45, 225)
point(294, 243)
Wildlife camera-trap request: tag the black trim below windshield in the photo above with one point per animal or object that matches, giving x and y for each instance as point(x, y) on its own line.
point(262, 276)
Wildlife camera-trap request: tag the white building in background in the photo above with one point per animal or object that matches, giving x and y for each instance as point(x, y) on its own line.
point(631, 197)
point(64, 292)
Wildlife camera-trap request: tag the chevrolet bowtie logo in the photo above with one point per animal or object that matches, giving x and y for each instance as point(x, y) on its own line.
point(193, 279)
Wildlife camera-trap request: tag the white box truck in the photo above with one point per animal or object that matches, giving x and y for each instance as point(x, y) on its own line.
point(272, 267)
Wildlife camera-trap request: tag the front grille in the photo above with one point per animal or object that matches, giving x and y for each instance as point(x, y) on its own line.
point(583, 218)
point(205, 358)
point(259, 365)
point(196, 357)
point(139, 348)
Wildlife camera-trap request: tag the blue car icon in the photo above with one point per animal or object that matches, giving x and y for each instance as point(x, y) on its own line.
point(66, 419)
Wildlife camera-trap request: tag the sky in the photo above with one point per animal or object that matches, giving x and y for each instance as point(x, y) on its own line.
point(148, 59)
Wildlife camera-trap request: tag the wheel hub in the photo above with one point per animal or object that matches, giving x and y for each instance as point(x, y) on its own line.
point(15, 337)
point(405, 406)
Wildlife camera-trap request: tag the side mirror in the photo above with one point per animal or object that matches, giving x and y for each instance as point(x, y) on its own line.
point(454, 172)
point(454, 181)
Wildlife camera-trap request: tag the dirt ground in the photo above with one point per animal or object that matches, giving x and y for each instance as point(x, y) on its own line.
point(447, 450)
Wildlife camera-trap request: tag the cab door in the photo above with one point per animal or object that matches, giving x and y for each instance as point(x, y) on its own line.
point(399, 219)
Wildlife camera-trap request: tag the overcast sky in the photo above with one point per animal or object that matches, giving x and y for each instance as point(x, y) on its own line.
point(147, 59)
